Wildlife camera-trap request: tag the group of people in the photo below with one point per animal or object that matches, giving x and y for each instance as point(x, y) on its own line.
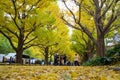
point(62, 60)
point(59, 59)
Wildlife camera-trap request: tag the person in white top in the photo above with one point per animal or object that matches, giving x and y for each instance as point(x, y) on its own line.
point(76, 60)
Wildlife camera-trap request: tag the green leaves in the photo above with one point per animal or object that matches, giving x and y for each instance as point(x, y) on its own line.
point(5, 46)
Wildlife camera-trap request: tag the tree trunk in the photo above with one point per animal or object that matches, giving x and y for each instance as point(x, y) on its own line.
point(90, 55)
point(85, 57)
point(19, 56)
point(100, 46)
point(46, 59)
point(90, 47)
point(19, 50)
point(46, 55)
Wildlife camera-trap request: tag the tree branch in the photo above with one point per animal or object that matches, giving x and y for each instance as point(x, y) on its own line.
point(86, 31)
point(15, 16)
point(69, 24)
point(79, 5)
point(13, 32)
point(30, 40)
point(107, 8)
point(35, 4)
point(21, 5)
point(8, 39)
point(111, 20)
point(102, 3)
point(28, 46)
point(70, 10)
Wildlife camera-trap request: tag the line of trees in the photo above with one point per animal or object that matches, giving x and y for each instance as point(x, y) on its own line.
point(96, 18)
point(19, 20)
point(28, 23)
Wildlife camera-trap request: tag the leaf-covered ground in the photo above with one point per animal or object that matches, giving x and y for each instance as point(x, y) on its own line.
point(57, 73)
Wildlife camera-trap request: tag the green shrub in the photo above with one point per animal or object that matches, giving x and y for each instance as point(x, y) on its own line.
point(98, 61)
point(112, 57)
point(114, 51)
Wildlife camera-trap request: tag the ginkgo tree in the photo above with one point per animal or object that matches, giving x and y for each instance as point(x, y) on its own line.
point(19, 19)
point(53, 37)
point(82, 45)
point(95, 18)
point(52, 42)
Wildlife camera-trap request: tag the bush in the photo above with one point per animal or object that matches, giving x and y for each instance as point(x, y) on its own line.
point(114, 51)
point(112, 57)
point(110, 52)
point(98, 61)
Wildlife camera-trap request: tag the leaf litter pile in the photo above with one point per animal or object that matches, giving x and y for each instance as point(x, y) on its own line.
point(58, 73)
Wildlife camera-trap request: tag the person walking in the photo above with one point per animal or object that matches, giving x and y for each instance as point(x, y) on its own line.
point(64, 58)
point(56, 58)
point(76, 60)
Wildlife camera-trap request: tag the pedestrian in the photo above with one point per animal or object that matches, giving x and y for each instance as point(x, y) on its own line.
point(4, 59)
point(76, 60)
point(61, 60)
point(11, 60)
point(56, 58)
point(64, 58)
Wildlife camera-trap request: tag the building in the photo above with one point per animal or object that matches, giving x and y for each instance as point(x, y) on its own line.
point(11, 58)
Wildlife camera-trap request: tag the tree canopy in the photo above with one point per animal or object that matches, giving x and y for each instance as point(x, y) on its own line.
point(53, 37)
point(82, 45)
point(94, 17)
point(19, 20)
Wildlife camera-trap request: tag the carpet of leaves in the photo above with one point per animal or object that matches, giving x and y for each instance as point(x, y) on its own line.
point(58, 73)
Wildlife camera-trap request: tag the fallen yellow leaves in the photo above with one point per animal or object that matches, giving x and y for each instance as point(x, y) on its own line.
point(57, 73)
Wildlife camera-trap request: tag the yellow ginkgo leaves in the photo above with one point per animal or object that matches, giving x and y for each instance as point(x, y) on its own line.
point(57, 73)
